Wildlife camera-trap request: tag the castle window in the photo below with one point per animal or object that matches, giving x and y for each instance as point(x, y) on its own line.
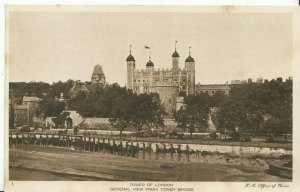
point(134, 80)
point(212, 92)
point(143, 80)
point(206, 92)
point(138, 80)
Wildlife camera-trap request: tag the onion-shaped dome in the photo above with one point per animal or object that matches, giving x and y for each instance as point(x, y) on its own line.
point(189, 59)
point(175, 54)
point(130, 58)
point(149, 64)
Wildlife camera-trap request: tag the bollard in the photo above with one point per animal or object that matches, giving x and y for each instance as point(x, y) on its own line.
point(172, 150)
point(84, 143)
point(108, 146)
point(22, 139)
point(40, 140)
point(34, 138)
point(47, 140)
point(52, 140)
point(150, 149)
point(157, 151)
point(67, 141)
point(17, 138)
point(143, 150)
point(138, 149)
point(113, 149)
point(121, 148)
point(164, 151)
point(89, 143)
point(131, 150)
point(187, 153)
point(94, 144)
point(59, 140)
point(103, 147)
point(179, 152)
point(98, 145)
point(126, 149)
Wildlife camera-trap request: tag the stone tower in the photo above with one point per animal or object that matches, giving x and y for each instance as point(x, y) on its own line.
point(130, 68)
point(190, 68)
point(98, 77)
point(150, 65)
point(175, 59)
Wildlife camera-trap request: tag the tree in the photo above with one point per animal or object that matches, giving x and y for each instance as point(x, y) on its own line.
point(50, 108)
point(195, 114)
point(259, 108)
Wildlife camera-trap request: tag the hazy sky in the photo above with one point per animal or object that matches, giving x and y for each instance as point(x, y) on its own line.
point(52, 46)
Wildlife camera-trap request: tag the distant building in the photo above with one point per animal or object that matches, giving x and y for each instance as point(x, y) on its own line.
point(212, 89)
point(97, 80)
point(98, 77)
point(21, 115)
point(237, 82)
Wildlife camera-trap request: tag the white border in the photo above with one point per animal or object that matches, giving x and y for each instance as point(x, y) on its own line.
point(115, 2)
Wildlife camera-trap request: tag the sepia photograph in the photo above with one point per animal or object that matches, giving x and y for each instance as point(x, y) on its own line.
point(150, 93)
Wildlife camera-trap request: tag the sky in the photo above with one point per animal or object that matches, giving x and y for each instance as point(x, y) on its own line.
point(53, 46)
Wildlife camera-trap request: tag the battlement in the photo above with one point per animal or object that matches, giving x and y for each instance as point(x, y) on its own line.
point(158, 70)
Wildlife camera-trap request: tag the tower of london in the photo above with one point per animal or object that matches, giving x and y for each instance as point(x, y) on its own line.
point(168, 83)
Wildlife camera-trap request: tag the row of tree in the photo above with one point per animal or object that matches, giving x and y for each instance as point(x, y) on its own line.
point(125, 109)
point(253, 108)
point(41, 89)
point(257, 108)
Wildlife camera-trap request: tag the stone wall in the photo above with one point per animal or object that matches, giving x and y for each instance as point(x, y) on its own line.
point(168, 96)
point(96, 123)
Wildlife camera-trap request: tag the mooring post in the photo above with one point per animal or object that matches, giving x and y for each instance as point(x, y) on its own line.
point(137, 150)
point(150, 149)
point(179, 152)
point(157, 151)
point(22, 139)
point(98, 145)
point(17, 138)
point(113, 149)
point(121, 148)
point(59, 140)
point(89, 143)
point(108, 146)
point(94, 143)
point(131, 150)
point(68, 141)
point(143, 150)
point(103, 147)
point(187, 153)
point(84, 142)
point(126, 149)
point(172, 150)
point(165, 151)
point(52, 140)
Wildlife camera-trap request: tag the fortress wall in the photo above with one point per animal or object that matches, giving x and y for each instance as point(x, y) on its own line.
point(168, 95)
